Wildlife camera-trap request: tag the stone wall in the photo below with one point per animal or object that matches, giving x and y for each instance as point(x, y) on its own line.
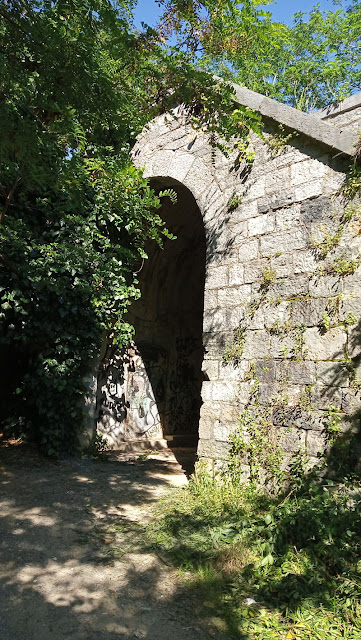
point(282, 295)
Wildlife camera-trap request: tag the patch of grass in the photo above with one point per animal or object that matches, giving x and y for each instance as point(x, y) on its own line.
point(342, 266)
point(234, 202)
point(257, 564)
point(330, 241)
point(234, 350)
point(268, 277)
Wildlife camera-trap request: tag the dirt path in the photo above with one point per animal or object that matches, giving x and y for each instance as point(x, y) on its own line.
point(73, 557)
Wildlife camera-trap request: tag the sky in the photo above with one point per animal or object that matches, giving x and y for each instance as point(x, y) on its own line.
point(282, 10)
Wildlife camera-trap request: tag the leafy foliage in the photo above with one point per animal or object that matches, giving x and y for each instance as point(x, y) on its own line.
point(271, 567)
point(255, 445)
point(309, 65)
point(78, 83)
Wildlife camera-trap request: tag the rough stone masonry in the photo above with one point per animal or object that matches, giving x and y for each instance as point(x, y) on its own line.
point(256, 305)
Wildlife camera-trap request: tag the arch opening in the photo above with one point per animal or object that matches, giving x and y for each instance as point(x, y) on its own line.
point(153, 391)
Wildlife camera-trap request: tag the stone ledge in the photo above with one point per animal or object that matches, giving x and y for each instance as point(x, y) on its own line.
point(310, 125)
point(349, 104)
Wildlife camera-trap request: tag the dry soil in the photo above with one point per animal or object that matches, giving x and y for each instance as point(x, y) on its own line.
point(74, 558)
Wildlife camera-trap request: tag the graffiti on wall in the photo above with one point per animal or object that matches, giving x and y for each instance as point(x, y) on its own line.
point(127, 405)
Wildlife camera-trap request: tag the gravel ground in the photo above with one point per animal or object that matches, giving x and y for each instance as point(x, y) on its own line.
point(74, 560)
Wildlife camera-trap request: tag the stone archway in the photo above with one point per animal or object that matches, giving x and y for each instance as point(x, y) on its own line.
point(153, 390)
point(168, 320)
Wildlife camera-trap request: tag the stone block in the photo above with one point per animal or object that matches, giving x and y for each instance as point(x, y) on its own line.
point(215, 343)
point(207, 390)
point(354, 341)
point(213, 449)
point(248, 251)
point(257, 345)
point(327, 346)
point(217, 237)
point(352, 286)
point(304, 172)
point(210, 299)
point(244, 392)
point(299, 418)
point(236, 274)
point(211, 209)
point(292, 439)
point(279, 201)
point(180, 165)
point(255, 189)
point(308, 311)
point(222, 431)
point(332, 182)
point(232, 370)
point(305, 261)
point(234, 296)
point(212, 202)
point(198, 179)
point(316, 443)
point(350, 304)
point(217, 277)
point(276, 180)
point(265, 371)
point(261, 225)
point(238, 232)
point(290, 287)
point(296, 372)
point(284, 241)
point(332, 374)
point(159, 166)
point(267, 393)
point(205, 429)
point(325, 286)
point(308, 190)
point(215, 320)
point(316, 210)
point(224, 391)
point(245, 211)
point(210, 369)
point(277, 315)
point(284, 265)
point(351, 401)
point(324, 397)
point(221, 258)
point(255, 319)
point(219, 410)
point(281, 346)
point(227, 412)
point(235, 316)
point(288, 218)
point(176, 144)
point(253, 270)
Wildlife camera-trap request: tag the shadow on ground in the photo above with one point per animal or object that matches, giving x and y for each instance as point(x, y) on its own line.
point(74, 561)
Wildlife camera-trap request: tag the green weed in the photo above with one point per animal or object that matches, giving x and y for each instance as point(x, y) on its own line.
point(285, 567)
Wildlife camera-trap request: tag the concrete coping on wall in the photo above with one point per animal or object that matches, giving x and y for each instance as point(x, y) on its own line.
point(311, 125)
point(333, 110)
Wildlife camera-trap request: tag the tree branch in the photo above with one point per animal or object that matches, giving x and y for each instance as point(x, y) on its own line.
point(9, 198)
point(18, 26)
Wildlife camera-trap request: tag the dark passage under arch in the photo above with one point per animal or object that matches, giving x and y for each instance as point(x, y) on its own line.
point(154, 390)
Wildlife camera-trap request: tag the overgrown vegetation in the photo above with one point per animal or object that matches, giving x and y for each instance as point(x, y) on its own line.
point(77, 84)
point(255, 449)
point(234, 349)
point(284, 566)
